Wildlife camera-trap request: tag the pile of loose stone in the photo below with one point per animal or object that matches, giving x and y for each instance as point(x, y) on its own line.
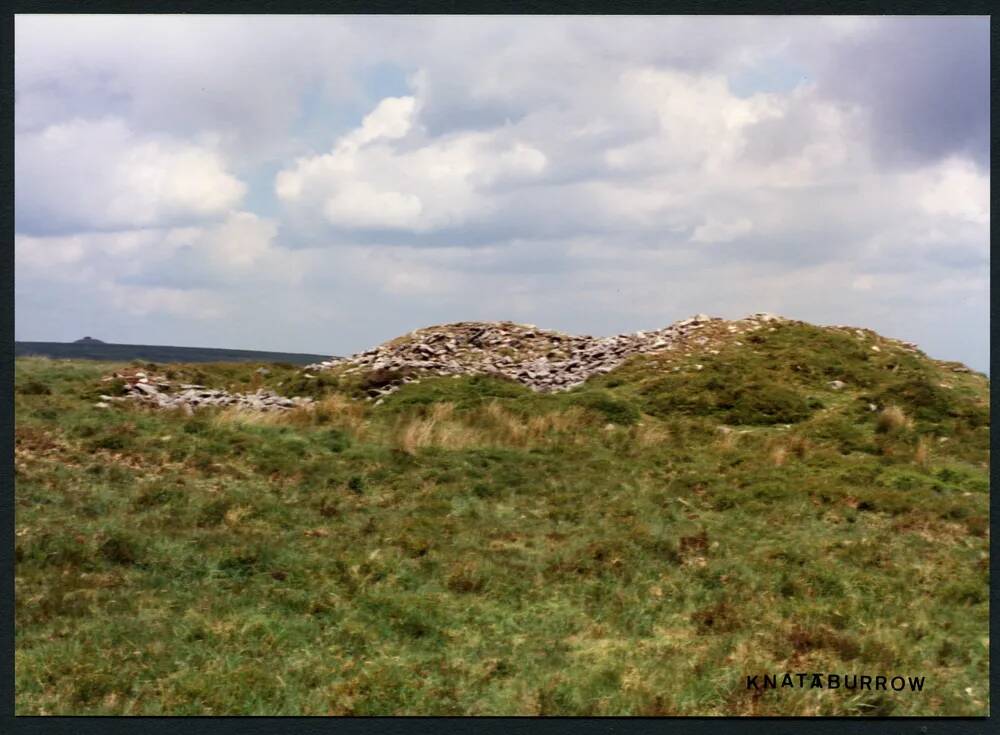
point(541, 359)
point(155, 390)
point(544, 360)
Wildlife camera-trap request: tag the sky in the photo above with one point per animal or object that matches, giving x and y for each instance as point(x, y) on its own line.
point(322, 184)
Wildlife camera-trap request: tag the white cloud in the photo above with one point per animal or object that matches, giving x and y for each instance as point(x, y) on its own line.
point(864, 282)
point(138, 301)
point(100, 175)
point(399, 271)
point(391, 119)
point(240, 242)
point(700, 121)
point(359, 204)
point(953, 188)
point(240, 250)
point(184, 75)
point(718, 231)
point(91, 256)
point(41, 254)
point(375, 179)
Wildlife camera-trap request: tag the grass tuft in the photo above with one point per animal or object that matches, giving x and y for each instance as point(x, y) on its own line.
point(891, 420)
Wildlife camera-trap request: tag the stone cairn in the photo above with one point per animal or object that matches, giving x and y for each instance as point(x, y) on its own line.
point(543, 360)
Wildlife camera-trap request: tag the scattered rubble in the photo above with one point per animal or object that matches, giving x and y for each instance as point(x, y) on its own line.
point(155, 390)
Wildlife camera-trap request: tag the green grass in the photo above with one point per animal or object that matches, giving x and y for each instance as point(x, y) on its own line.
point(636, 546)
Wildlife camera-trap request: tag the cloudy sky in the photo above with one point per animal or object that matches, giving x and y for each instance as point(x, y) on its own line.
point(321, 184)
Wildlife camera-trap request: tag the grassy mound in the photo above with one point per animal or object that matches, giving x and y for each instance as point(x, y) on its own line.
point(638, 545)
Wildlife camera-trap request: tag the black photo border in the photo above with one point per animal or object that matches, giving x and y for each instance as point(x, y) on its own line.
point(695, 725)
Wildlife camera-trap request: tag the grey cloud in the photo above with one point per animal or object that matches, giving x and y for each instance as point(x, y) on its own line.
point(239, 76)
point(924, 83)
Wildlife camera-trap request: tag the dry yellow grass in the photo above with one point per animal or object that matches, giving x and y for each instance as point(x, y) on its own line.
point(336, 412)
point(778, 455)
point(728, 439)
point(647, 435)
point(438, 429)
point(782, 450)
point(798, 446)
point(256, 418)
point(506, 427)
point(922, 454)
point(891, 420)
point(342, 413)
point(490, 426)
point(415, 434)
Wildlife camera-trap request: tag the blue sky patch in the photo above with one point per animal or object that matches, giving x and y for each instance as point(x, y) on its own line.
point(773, 74)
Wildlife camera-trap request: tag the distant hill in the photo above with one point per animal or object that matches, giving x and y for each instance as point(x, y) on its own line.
point(94, 349)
